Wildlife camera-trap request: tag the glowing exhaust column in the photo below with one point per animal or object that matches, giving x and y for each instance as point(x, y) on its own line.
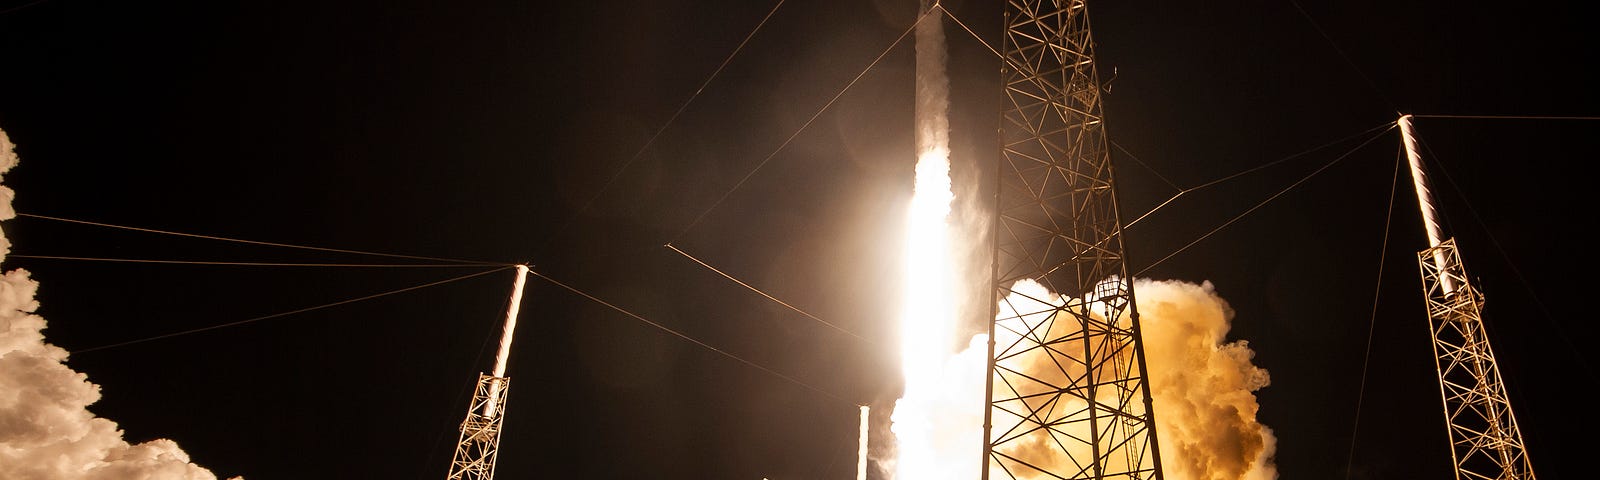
point(928, 309)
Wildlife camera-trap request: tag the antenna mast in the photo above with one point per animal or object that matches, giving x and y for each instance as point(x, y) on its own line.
point(1484, 440)
point(480, 432)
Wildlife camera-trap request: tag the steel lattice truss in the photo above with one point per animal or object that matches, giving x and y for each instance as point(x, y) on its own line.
point(480, 432)
point(1484, 438)
point(1068, 394)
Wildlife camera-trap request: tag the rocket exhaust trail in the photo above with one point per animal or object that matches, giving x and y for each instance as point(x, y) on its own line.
point(927, 323)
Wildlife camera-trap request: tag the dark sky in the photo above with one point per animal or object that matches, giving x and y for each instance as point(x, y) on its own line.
point(482, 130)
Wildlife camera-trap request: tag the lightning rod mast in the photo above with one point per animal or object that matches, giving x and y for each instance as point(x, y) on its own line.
point(1484, 440)
point(480, 432)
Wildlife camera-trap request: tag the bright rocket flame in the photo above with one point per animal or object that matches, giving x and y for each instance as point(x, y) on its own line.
point(931, 443)
point(926, 441)
point(928, 318)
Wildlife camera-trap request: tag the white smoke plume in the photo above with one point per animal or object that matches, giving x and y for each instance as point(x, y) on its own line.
point(933, 87)
point(46, 429)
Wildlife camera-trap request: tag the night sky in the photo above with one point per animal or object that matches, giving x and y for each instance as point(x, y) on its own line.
point(511, 132)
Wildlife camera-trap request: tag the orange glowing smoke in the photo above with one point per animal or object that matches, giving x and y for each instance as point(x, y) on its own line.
point(1202, 385)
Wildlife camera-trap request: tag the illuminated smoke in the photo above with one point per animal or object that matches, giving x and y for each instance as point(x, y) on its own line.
point(46, 430)
point(1203, 388)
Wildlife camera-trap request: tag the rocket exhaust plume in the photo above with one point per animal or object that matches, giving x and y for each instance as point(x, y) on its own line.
point(926, 435)
point(46, 430)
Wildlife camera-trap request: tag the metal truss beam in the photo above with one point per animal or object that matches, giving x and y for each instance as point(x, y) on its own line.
point(479, 443)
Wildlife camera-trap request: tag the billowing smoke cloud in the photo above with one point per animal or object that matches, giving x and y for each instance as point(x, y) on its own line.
point(46, 429)
point(1202, 387)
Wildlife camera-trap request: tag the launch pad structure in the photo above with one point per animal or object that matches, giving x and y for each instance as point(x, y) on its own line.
point(1067, 390)
point(1089, 415)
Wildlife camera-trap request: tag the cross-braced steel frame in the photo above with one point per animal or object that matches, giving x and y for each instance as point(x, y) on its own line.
point(1484, 440)
point(480, 432)
point(1068, 396)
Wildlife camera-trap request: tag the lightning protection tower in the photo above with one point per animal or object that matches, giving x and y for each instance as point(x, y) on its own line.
point(1484, 440)
point(1068, 396)
point(479, 443)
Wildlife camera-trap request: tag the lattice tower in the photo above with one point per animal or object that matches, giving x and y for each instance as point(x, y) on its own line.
point(1485, 443)
point(479, 443)
point(1068, 396)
